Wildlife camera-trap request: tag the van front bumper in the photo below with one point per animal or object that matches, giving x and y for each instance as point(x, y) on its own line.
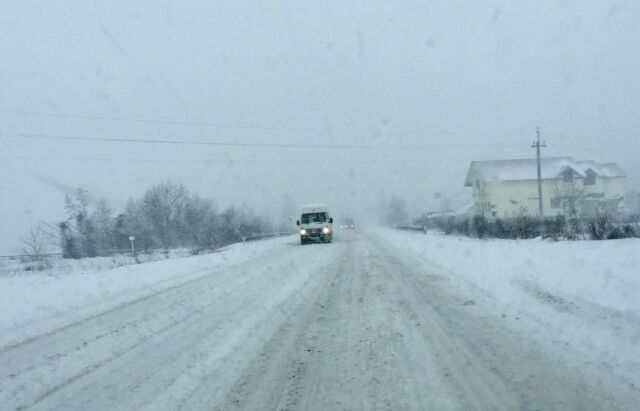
point(315, 235)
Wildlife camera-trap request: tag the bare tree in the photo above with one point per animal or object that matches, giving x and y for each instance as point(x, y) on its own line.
point(104, 222)
point(77, 207)
point(35, 242)
point(197, 214)
point(569, 196)
point(163, 208)
point(79, 230)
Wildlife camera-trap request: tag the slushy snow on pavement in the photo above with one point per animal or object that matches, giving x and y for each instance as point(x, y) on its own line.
point(581, 298)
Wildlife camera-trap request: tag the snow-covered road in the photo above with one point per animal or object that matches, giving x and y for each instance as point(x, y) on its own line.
point(356, 324)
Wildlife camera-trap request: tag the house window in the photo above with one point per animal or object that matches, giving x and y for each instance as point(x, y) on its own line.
point(590, 180)
point(567, 176)
point(556, 202)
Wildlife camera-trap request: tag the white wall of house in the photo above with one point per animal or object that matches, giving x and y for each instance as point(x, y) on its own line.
point(505, 198)
point(513, 198)
point(613, 187)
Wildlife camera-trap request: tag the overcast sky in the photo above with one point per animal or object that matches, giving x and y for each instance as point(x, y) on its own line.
point(424, 86)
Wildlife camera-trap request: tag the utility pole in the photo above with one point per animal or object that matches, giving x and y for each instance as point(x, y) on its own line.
point(537, 145)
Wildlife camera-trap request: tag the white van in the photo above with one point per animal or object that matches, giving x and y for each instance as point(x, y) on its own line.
point(315, 224)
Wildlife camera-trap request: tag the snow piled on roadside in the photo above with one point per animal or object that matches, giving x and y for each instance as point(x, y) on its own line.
point(58, 266)
point(581, 298)
point(39, 302)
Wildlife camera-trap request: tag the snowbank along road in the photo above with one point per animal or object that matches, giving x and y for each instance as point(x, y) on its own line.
point(352, 325)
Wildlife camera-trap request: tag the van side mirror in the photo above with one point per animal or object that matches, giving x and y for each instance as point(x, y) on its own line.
point(297, 222)
point(330, 220)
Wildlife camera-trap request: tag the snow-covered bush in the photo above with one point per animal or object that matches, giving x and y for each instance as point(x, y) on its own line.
point(602, 227)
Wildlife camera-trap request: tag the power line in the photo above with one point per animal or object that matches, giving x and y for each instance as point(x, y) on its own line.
point(176, 142)
point(178, 122)
point(314, 146)
point(250, 126)
point(225, 162)
point(254, 145)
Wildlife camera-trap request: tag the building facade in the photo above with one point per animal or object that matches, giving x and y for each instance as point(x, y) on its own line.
point(509, 188)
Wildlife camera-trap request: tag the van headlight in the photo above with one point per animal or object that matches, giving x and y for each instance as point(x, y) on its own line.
point(303, 231)
point(326, 230)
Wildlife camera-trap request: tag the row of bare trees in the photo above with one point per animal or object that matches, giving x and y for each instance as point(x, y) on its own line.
point(166, 216)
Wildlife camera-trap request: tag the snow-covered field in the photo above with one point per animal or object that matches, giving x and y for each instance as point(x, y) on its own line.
point(581, 298)
point(35, 302)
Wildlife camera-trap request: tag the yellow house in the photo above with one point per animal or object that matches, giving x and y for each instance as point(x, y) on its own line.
point(509, 188)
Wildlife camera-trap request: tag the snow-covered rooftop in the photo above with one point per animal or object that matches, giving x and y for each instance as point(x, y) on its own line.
point(602, 169)
point(526, 169)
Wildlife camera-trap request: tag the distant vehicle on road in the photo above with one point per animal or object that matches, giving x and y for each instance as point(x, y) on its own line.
point(349, 224)
point(315, 224)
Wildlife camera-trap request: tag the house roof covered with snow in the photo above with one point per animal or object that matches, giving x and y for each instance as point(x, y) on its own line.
point(526, 169)
point(602, 169)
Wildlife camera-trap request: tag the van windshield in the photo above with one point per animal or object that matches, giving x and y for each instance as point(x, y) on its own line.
point(314, 218)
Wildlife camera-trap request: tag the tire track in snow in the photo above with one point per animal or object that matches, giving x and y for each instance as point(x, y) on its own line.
point(36, 350)
point(482, 351)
